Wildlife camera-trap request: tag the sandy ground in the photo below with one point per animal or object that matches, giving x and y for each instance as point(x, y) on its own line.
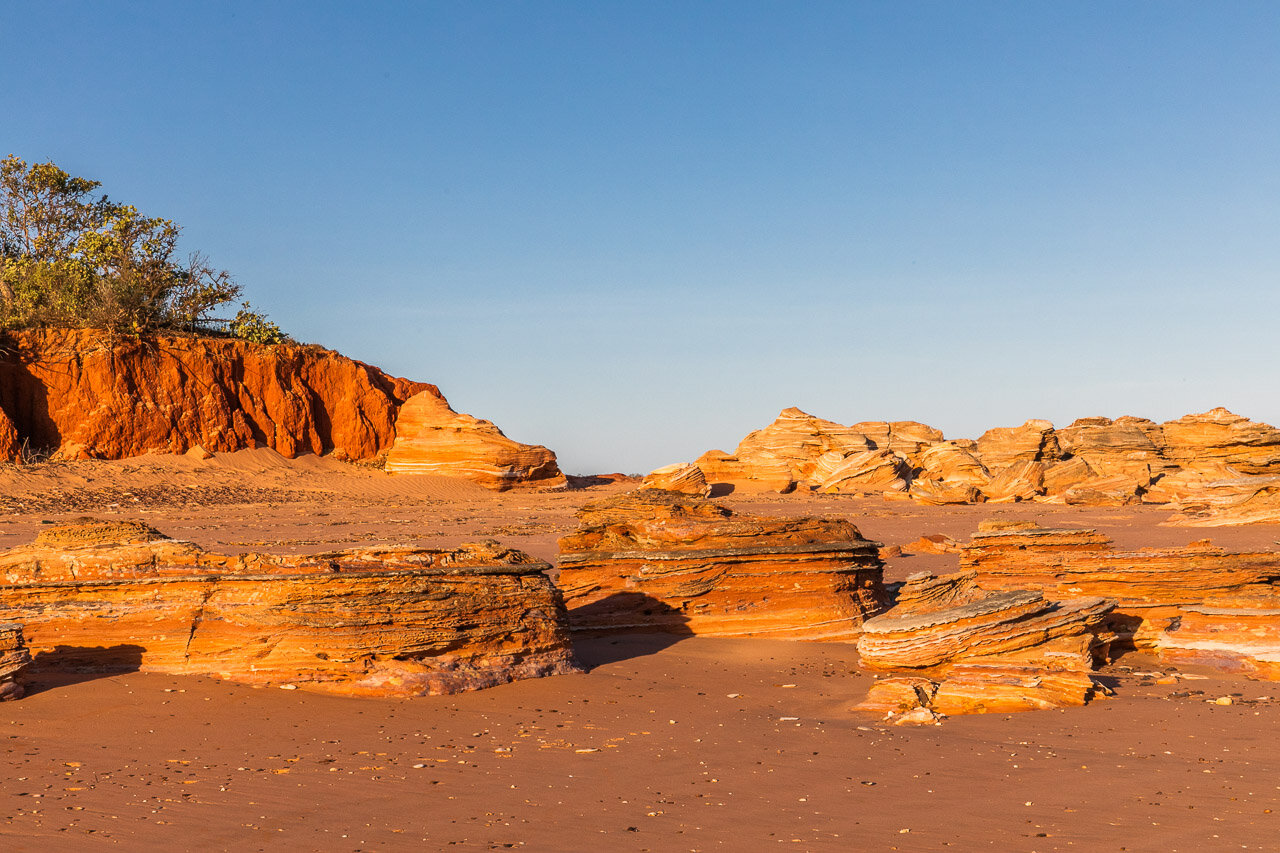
point(664, 744)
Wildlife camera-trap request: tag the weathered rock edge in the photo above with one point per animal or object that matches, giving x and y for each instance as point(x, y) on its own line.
point(84, 394)
point(381, 621)
point(665, 561)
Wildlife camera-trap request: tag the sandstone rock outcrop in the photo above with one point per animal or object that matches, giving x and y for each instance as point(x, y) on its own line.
point(959, 649)
point(687, 478)
point(90, 396)
point(1241, 500)
point(14, 657)
point(797, 440)
point(939, 493)
point(1221, 437)
point(1034, 441)
point(869, 473)
point(1115, 490)
point(1095, 461)
point(1126, 446)
point(907, 438)
point(953, 465)
point(725, 471)
point(655, 560)
point(1197, 603)
point(1018, 481)
point(375, 621)
point(431, 438)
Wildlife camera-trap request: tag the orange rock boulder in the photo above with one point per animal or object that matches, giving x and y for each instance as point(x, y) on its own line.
point(14, 657)
point(87, 395)
point(432, 438)
point(1034, 441)
point(797, 440)
point(378, 621)
point(957, 649)
point(685, 478)
point(1196, 603)
point(1220, 437)
point(1240, 500)
point(1126, 446)
point(655, 560)
point(725, 473)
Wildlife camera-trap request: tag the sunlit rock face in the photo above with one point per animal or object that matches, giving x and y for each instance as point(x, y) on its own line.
point(1212, 467)
point(431, 438)
point(375, 621)
point(686, 477)
point(1196, 603)
point(1034, 441)
point(1220, 437)
point(86, 395)
point(655, 560)
point(14, 657)
point(953, 648)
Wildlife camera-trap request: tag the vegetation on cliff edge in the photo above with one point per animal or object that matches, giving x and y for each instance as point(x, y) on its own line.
point(70, 259)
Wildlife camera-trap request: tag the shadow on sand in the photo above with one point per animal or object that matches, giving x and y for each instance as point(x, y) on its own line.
point(625, 625)
point(67, 665)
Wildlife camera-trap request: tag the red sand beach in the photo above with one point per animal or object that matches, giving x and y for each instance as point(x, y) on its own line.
point(664, 744)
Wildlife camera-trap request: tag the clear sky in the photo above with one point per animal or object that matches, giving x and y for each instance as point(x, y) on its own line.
point(636, 231)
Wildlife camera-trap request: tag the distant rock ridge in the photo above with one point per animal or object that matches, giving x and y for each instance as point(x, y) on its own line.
point(1215, 467)
point(81, 394)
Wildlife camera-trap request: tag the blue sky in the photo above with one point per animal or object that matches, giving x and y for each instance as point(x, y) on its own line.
point(636, 231)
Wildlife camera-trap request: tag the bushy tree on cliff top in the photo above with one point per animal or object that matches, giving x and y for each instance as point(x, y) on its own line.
point(70, 259)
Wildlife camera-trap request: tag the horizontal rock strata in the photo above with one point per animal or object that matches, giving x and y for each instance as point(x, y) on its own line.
point(431, 438)
point(656, 560)
point(1198, 602)
point(14, 657)
point(378, 621)
point(954, 648)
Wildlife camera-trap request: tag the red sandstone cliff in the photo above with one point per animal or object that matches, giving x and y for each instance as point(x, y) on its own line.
point(79, 392)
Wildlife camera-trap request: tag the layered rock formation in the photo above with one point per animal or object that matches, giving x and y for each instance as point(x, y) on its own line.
point(1220, 437)
point(1092, 462)
point(655, 560)
point(431, 438)
point(1126, 446)
point(1197, 603)
point(89, 396)
point(1034, 441)
point(959, 649)
point(868, 473)
point(1236, 500)
point(14, 657)
point(377, 621)
point(685, 478)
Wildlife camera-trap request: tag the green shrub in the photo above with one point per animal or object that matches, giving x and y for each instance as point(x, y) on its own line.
point(70, 259)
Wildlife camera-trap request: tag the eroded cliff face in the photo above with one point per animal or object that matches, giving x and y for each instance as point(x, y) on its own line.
point(84, 395)
point(372, 621)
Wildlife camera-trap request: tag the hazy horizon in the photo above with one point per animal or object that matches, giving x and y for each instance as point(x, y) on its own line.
point(635, 232)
